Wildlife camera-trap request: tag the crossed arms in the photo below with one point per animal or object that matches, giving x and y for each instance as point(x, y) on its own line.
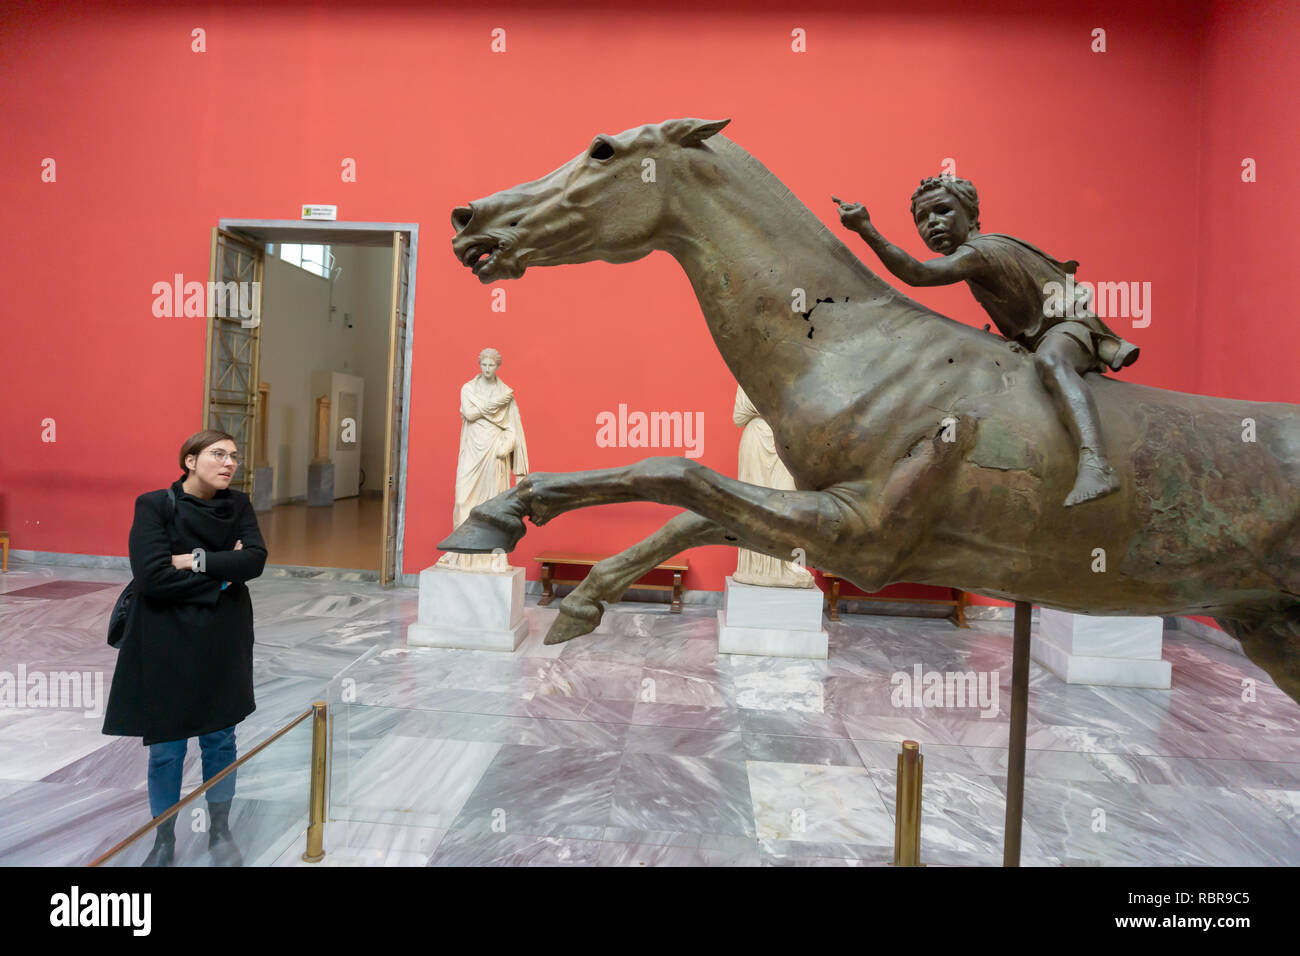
point(155, 575)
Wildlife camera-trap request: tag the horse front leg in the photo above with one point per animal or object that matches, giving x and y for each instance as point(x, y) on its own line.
point(797, 517)
point(861, 530)
point(498, 523)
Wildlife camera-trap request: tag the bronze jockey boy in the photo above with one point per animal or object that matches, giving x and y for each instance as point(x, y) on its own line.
point(1012, 281)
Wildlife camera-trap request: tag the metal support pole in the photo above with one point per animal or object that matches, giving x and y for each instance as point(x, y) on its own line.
point(316, 801)
point(1016, 742)
point(907, 806)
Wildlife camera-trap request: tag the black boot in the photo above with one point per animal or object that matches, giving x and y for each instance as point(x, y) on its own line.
point(164, 845)
point(220, 843)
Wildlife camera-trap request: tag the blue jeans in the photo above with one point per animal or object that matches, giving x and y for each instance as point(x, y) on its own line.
point(167, 760)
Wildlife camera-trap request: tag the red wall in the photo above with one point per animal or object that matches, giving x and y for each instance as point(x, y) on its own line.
point(1123, 160)
point(1252, 72)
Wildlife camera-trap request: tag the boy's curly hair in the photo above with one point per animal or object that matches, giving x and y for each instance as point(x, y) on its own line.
point(961, 190)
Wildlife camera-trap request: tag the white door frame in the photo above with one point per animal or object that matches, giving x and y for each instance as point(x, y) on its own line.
point(366, 234)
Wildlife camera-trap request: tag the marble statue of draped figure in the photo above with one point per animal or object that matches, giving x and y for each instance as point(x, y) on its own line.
point(492, 448)
point(759, 465)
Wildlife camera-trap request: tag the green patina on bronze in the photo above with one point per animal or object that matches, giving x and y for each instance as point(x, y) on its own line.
point(1001, 448)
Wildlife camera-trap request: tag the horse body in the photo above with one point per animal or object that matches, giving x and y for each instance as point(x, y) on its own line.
point(862, 387)
point(1204, 519)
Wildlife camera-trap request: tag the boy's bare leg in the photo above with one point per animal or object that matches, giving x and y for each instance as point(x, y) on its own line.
point(1059, 360)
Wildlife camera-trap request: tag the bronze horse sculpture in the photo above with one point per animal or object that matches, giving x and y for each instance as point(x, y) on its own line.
point(924, 450)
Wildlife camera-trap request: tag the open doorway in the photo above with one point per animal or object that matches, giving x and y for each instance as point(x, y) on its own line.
point(315, 385)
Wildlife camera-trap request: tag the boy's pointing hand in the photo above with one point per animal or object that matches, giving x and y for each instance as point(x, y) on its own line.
point(853, 215)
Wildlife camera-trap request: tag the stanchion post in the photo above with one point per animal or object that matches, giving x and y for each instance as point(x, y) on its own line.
point(316, 801)
point(907, 806)
point(1016, 740)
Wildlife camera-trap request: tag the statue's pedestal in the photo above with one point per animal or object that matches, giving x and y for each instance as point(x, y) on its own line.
point(772, 622)
point(320, 484)
point(1109, 651)
point(478, 610)
point(264, 488)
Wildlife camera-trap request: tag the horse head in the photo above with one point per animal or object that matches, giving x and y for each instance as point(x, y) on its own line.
point(602, 204)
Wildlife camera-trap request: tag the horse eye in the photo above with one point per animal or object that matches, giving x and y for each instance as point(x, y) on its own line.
point(602, 150)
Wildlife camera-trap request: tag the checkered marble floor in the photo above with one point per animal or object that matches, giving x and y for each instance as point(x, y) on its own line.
point(639, 745)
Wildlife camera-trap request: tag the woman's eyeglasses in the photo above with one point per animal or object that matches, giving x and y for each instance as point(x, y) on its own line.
point(221, 456)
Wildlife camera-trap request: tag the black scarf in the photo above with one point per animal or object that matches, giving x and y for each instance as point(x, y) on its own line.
point(210, 521)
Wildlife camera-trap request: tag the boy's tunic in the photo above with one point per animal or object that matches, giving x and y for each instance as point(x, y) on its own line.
point(1017, 303)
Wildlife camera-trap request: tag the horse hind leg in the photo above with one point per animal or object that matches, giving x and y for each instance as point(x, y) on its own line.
point(1270, 636)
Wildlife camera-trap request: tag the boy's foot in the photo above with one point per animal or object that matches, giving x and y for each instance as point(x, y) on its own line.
point(1116, 354)
point(1125, 356)
point(1096, 479)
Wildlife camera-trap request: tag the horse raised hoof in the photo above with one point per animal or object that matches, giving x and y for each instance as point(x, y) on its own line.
point(1096, 479)
point(576, 618)
point(495, 525)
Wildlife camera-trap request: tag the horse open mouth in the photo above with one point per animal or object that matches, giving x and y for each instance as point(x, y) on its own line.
point(481, 256)
point(491, 260)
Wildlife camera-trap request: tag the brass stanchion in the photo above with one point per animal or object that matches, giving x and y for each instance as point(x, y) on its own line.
point(1016, 741)
point(907, 806)
point(316, 802)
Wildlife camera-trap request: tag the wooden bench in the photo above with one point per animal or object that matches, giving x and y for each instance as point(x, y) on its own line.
point(958, 603)
point(550, 559)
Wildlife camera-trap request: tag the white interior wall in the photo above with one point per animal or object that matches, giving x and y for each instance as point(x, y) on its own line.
point(300, 335)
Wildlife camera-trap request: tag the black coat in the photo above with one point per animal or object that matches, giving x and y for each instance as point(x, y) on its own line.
point(185, 664)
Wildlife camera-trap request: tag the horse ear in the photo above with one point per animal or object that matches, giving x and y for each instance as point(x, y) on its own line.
point(692, 132)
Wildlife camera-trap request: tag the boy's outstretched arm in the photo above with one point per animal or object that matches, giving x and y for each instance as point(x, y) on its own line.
point(962, 264)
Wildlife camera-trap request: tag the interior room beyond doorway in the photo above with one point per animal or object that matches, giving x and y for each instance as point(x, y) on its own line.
point(325, 332)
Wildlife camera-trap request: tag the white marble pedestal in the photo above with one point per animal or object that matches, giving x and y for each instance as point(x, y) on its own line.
point(772, 622)
point(478, 610)
point(320, 484)
point(263, 488)
point(1110, 651)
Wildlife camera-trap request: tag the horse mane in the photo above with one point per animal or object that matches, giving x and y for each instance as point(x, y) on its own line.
point(782, 195)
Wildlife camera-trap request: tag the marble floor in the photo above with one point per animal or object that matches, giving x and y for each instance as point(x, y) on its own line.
point(640, 746)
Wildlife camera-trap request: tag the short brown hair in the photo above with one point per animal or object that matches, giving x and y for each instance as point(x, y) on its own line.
point(199, 441)
point(961, 190)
